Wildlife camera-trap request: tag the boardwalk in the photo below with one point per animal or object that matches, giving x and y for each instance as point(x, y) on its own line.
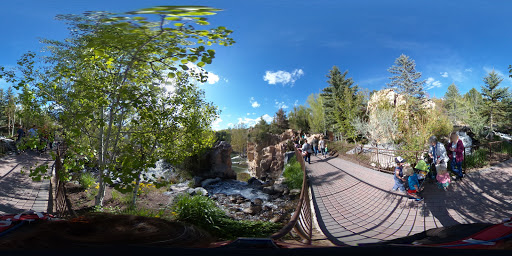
point(18, 193)
point(355, 205)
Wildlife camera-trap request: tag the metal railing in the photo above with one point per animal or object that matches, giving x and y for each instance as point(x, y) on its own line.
point(302, 219)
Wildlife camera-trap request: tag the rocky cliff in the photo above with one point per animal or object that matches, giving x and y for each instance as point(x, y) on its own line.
point(214, 163)
point(266, 159)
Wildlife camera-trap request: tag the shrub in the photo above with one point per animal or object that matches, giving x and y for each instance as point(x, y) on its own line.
point(87, 180)
point(478, 158)
point(202, 211)
point(198, 210)
point(293, 174)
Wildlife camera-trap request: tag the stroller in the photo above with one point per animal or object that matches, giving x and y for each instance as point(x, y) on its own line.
point(423, 170)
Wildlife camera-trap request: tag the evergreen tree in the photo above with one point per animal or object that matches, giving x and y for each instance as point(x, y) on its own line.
point(280, 122)
point(342, 102)
point(473, 103)
point(453, 103)
point(405, 78)
point(493, 98)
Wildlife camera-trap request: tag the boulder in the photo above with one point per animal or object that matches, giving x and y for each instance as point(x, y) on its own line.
point(197, 191)
point(254, 182)
point(257, 201)
point(214, 163)
point(197, 181)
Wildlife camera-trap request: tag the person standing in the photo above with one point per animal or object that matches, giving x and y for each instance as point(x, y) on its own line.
point(21, 133)
point(399, 175)
point(314, 143)
point(32, 132)
point(456, 154)
point(437, 152)
point(306, 151)
point(321, 144)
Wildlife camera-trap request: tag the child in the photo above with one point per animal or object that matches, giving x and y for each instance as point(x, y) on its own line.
point(399, 176)
point(443, 178)
point(414, 184)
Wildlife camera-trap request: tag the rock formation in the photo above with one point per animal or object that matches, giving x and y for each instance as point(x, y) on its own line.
point(214, 163)
point(266, 159)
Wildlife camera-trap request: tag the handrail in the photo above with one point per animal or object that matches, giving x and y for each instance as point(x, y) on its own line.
point(302, 220)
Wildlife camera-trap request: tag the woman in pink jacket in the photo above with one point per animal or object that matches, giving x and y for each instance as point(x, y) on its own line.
point(456, 154)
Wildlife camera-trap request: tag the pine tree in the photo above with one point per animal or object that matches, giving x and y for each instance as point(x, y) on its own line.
point(493, 98)
point(405, 78)
point(280, 122)
point(299, 118)
point(341, 101)
point(454, 104)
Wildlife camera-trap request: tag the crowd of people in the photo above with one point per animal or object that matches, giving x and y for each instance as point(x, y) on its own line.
point(316, 145)
point(440, 158)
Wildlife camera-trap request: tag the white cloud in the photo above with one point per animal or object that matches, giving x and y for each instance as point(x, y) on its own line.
point(468, 70)
point(230, 125)
point(281, 105)
point(249, 122)
point(253, 113)
point(254, 103)
point(444, 74)
point(283, 77)
point(296, 103)
point(212, 78)
point(248, 114)
point(226, 80)
point(216, 123)
point(432, 83)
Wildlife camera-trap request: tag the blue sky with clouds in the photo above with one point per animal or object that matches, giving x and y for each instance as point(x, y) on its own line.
point(285, 48)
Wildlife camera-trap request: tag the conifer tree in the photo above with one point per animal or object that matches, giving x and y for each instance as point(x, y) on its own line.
point(406, 79)
point(493, 98)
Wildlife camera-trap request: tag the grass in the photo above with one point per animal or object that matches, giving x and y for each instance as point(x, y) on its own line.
point(87, 180)
point(293, 174)
point(203, 212)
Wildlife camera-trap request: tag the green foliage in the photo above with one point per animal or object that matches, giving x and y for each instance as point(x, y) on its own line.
point(454, 104)
point(87, 180)
point(317, 117)
point(299, 118)
point(124, 89)
point(260, 132)
point(494, 99)
point(342, 103)
point(479, 158)
point(202, 211)
point(279, 123)
point(223, 135)
point(293, 174)
point(239, 137)
point(198, 210)
point(405, 77)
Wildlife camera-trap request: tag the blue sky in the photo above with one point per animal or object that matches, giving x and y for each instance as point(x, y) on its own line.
point(285, 48)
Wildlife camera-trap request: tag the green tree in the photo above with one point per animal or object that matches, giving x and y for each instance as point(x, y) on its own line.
point(473, 102)
point(239, 137)
point(405, 77)
point(454, 104)
point(317, 117)
point(279, 123)
point(299, 118)
point(124, 86)
point(342, 102)
point(493, 98)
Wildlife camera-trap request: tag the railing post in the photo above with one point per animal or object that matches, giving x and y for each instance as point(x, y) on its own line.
point(378, 159)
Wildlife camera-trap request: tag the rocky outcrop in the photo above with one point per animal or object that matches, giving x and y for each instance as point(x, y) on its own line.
point(7, 145)
point(216, 163)
point(266, 159)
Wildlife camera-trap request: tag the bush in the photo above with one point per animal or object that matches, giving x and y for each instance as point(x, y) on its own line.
point(202, 212)
point(293, 174)
point(198, 210)
point(477, 159)
point(87, 180)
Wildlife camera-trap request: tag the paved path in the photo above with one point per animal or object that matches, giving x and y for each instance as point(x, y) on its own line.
point(18, 192)
point(355, 204)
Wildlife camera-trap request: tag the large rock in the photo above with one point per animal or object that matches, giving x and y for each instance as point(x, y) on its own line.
point(214, 163)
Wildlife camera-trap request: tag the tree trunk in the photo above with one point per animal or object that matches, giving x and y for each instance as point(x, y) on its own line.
point(135, 190)
point(101, 191)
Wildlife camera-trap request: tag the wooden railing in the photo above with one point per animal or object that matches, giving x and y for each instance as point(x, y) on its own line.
point(302, 219)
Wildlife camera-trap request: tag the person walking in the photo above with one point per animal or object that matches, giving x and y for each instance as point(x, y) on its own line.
point(321, 144)
point(306, 151)
point(314, 143)
point(399, 175)
point(456, 154)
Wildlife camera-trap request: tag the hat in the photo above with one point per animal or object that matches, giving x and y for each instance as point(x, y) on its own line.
point(399, 159)
point(422, 165)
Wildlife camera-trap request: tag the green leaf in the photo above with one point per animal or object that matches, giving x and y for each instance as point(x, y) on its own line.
point(200, 64)
point(184, 61)
point(171, 75)
point(178, 24)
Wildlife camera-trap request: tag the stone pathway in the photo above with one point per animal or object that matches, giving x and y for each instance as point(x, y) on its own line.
point(355, 205)
point(18, 193)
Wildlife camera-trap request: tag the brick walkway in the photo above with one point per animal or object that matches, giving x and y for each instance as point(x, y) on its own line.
point(18, 192)
point(355, 204)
